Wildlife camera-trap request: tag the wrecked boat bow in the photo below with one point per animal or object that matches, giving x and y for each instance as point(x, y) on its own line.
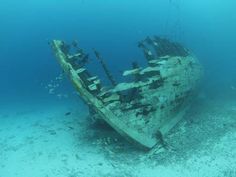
point(149, 106)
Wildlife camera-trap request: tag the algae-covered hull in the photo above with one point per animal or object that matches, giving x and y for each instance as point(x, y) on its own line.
point(146, 108)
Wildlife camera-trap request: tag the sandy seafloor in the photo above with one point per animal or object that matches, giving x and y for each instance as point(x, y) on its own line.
point(37, 139)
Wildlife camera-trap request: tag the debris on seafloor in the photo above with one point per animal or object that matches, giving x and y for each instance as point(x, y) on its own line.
point(153, 103)
point(67, 113)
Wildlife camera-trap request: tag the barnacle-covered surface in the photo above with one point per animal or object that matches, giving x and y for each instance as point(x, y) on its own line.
point(147, 107)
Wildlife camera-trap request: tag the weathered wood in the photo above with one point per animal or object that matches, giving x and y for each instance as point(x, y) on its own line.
point(150, 105)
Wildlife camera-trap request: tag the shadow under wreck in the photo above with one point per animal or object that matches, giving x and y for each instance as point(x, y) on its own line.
point(144, 110)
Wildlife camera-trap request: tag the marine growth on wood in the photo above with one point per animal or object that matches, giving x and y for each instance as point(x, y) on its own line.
point(145, 109)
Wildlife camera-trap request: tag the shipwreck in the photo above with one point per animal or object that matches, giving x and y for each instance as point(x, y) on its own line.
point(145, 109)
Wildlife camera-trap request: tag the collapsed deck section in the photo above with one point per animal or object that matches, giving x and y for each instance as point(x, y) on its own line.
point(146, 107)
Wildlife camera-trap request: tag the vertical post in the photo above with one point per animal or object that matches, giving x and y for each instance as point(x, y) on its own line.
point(107, 72)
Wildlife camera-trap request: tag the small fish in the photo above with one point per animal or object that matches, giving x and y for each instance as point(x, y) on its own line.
point(71, 128)
point(68, 113)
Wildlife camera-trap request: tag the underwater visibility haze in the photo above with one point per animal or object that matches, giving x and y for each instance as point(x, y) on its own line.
point(46, 126)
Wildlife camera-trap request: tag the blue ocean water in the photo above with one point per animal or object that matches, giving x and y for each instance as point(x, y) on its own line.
point(206, 27)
